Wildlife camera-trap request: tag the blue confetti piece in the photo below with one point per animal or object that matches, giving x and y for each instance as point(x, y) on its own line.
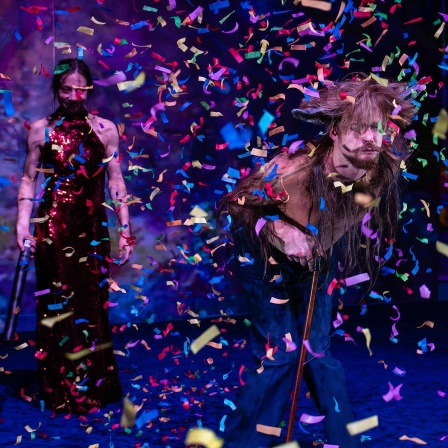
point(79, 321)
point(265, 121)
point(55, 306)
point(230, 404)
point(313, 229)
point(410, 176)
point(336, 408)
point(222, 425)
point(7, 102)
point(17, 35)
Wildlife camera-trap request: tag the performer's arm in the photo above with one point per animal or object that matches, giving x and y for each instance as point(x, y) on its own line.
point(118, 194)
point(27, 188)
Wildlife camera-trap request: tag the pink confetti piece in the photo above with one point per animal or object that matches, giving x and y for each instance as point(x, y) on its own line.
point(290, 345)
point(41, 293)
point(425, 292)
point(260, 223)
point(307, 345)
point(338, 321)
point(311, 419)
point(355, 279)
point(441, 394)
point(394, 393)
point(398, 312)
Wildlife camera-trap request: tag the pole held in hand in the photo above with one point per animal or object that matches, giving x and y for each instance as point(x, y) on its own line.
point(17, 291)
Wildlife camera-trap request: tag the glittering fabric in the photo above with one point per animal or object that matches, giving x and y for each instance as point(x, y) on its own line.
point(75, 357)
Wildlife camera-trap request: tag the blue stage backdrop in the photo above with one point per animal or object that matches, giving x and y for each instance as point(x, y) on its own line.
point(201, 91)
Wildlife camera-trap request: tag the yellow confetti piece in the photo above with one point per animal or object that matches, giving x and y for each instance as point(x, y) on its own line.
point(368, 336)
point(50, 321)
point(439, 31)
point(204, 437)
point(442, 248)
point(108, 206)
point(21, 346)
point(288, 445)
point(40, 220)
point(441, 125)
point(413, 439)
point(270, 430)
point(29, 429)
point(129, 86)
point(86, 30)
point(97, 21)
point(204, 338)
point(198, 212)
point(70, 251)
point(18, 440)
point(382, 81)
point(363, 425)
point(259, 152)
point(87, 351)
point(128, 414)
point(344, 188)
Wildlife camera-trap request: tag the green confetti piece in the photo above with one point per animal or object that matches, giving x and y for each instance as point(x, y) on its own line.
point(226, 17)
point(149, 8)
point(177, 21)
point(424, 162)
point(403, 277)
point(423, 240)
point(63, 341)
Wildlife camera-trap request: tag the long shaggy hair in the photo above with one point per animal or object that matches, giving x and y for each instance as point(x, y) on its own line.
point(341, 107)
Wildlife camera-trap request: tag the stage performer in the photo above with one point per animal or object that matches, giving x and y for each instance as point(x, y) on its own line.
point(74, 149)
point(289, 211)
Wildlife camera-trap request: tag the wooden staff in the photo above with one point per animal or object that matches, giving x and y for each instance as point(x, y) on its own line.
point(306, 335)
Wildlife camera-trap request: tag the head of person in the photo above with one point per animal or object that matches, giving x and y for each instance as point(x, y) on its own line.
point(363, 119)
point(72, 85)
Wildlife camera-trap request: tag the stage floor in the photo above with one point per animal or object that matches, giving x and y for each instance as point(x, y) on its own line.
point(179, 390)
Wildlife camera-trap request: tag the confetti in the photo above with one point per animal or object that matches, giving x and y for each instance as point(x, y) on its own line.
point(204, 339)
point(363, 425)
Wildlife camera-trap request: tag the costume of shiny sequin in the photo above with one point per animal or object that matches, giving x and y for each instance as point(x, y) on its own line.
point(76, 363)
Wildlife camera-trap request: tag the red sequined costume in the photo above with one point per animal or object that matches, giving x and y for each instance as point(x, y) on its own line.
point(75, 356)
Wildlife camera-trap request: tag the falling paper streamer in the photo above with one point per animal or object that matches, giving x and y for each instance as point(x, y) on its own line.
point(203, 437)
point(128, 414)
point(368, 337)
point(50, 321)
point(413, 439)
point(363, 425)
point(204, 339)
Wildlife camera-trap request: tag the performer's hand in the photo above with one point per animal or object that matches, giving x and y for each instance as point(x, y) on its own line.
point(23, 233)
point(124, 251)
point(295, 244)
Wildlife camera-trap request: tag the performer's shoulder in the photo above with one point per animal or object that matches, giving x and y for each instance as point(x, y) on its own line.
point(103, 123)
point(288, 163)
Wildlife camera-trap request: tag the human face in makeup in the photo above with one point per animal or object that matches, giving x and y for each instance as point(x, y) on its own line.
point(72, 93)
point(358, 148)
